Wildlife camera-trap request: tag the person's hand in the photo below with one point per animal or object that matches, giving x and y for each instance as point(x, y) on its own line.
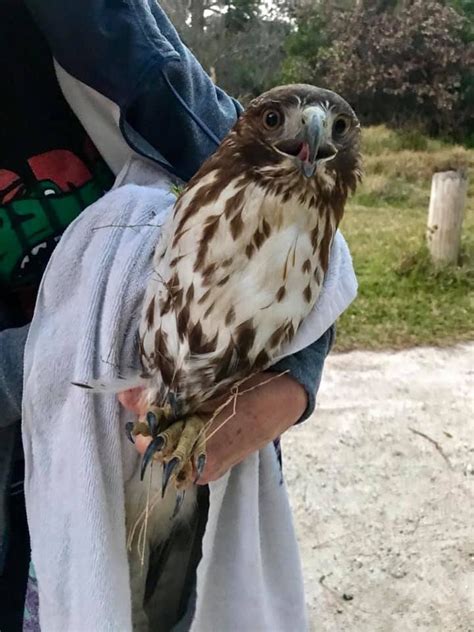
point(263, 412)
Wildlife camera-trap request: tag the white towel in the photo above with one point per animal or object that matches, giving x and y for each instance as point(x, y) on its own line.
point(77, 456)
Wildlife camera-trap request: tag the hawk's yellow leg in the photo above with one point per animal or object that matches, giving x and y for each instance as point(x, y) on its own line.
point(189, 453)
point(180, 445)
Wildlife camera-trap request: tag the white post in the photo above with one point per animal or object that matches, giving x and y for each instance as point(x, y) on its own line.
point(445, 215)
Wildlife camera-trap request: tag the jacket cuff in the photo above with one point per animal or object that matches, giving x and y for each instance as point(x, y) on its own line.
point(306, 367)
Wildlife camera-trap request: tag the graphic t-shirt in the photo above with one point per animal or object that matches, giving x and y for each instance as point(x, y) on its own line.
point(49, 169)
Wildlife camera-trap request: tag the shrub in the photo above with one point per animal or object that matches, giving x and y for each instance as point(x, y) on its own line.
point(406, 64)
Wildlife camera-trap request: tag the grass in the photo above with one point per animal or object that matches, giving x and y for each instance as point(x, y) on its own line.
point(403, 300)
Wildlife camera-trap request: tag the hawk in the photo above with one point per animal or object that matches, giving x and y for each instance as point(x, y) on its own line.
point(241, 261)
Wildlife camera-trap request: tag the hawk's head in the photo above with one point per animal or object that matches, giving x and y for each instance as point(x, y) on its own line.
point(303, 131)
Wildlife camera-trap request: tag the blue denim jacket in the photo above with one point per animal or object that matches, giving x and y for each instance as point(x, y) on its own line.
point(129, 51)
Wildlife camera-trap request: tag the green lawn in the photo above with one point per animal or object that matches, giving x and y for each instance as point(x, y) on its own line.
point(402, 300)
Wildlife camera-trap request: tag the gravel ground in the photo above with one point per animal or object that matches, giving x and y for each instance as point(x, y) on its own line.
point(381, 483)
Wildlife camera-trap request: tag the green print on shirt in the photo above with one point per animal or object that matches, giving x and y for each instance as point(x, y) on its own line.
point(33, 215)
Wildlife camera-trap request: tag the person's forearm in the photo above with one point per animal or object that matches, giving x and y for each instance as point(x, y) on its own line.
point(270, 403)
point(264, 413)
point(12, 346)
point(306, 367)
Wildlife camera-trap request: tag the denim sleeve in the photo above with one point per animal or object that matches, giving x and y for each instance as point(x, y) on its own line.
point(171, 112)
point(306, 367)
point(12, 346)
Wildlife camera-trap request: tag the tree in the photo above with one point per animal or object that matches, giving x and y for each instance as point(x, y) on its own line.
point(239, 42)
point(406, 63)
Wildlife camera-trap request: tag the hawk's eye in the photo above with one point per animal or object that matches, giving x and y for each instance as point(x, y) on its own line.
point(340, 127)
point(272, 119)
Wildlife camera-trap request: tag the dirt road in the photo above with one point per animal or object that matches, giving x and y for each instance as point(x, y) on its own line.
point(381, 481)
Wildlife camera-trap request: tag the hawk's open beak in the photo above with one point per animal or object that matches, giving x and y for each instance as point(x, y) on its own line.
point(317, 141)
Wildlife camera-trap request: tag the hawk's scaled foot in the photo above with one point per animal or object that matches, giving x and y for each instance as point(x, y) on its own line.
point(185, 452)
point(181, 446)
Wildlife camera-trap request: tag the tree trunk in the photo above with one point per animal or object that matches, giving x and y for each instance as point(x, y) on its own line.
point(197, 16)
point(445, 215)
point(178, 13)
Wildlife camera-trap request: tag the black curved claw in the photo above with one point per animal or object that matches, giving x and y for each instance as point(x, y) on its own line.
point(155, 446)
point(200, 465)
point(168, 469)
point(152, 422)
point(179, 502)
point(173, 402)
point(129, 431)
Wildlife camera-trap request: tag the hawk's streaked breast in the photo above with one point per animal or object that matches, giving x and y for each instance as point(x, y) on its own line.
point(242, 260)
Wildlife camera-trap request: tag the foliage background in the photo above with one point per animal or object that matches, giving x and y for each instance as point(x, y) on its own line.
point(398, 62)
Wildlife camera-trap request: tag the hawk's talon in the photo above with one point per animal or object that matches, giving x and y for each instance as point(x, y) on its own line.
point(200, 465)
point(179, 501)
point(154, 446)
point(168, 469)
point(181, 445)
point(157, 419)
point(152, 422)
point(129, 426)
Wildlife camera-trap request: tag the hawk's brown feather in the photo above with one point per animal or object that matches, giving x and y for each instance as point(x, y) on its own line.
point(242, 260)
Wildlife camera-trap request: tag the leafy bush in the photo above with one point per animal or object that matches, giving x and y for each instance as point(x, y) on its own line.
point(410, 63)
